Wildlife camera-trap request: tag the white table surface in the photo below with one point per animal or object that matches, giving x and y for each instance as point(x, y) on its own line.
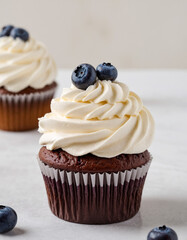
point(165, 193)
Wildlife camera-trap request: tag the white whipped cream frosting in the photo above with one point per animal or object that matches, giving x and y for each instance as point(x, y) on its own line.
point(106, 120)
point(25, 64)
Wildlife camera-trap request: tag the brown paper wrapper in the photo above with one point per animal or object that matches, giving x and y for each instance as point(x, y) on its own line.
point(94, 198)
point(21, 112)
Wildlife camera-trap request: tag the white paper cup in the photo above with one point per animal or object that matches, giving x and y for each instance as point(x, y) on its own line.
point(97, 198)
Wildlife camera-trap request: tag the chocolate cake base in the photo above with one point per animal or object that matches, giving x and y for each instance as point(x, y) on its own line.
point(20, 111)
point(93, 190)
point(62, 160)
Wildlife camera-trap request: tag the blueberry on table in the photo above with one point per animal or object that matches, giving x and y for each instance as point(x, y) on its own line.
point(8, 219)
point(83, 76)
point(6, 31)
point(20, 33)
point(162, 233)
point(106, 71)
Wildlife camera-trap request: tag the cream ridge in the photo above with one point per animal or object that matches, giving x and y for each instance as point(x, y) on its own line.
point(25, 64)
point(106, 120)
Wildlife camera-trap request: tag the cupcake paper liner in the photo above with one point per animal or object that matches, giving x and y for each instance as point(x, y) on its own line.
point(21, 112)
point(97, 198)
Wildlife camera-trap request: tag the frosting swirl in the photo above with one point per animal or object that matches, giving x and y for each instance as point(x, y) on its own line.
point(106, 120)
point(25, 64)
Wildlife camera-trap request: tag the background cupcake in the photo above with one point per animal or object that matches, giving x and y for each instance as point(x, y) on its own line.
point(95, 159)
point(27, 79)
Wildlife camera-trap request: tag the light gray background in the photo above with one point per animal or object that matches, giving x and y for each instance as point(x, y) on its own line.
point(128, 33)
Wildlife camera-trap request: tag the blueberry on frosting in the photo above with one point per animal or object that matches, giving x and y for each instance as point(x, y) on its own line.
point(83, 76)
point(6, 30)
point(20, 33)
point(106, 71)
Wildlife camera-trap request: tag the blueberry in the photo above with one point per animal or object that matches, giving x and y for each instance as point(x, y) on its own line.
point(162, 233)
point(106, 71)
point(20, 33)
point(83, 76)
point(8, 219)
point(6, 30)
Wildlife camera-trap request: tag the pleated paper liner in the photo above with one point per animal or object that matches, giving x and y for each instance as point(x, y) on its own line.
point(21, 112)
point(94, 198)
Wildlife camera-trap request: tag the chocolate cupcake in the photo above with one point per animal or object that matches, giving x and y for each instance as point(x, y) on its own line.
point(95, 159)
point(27, 80)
